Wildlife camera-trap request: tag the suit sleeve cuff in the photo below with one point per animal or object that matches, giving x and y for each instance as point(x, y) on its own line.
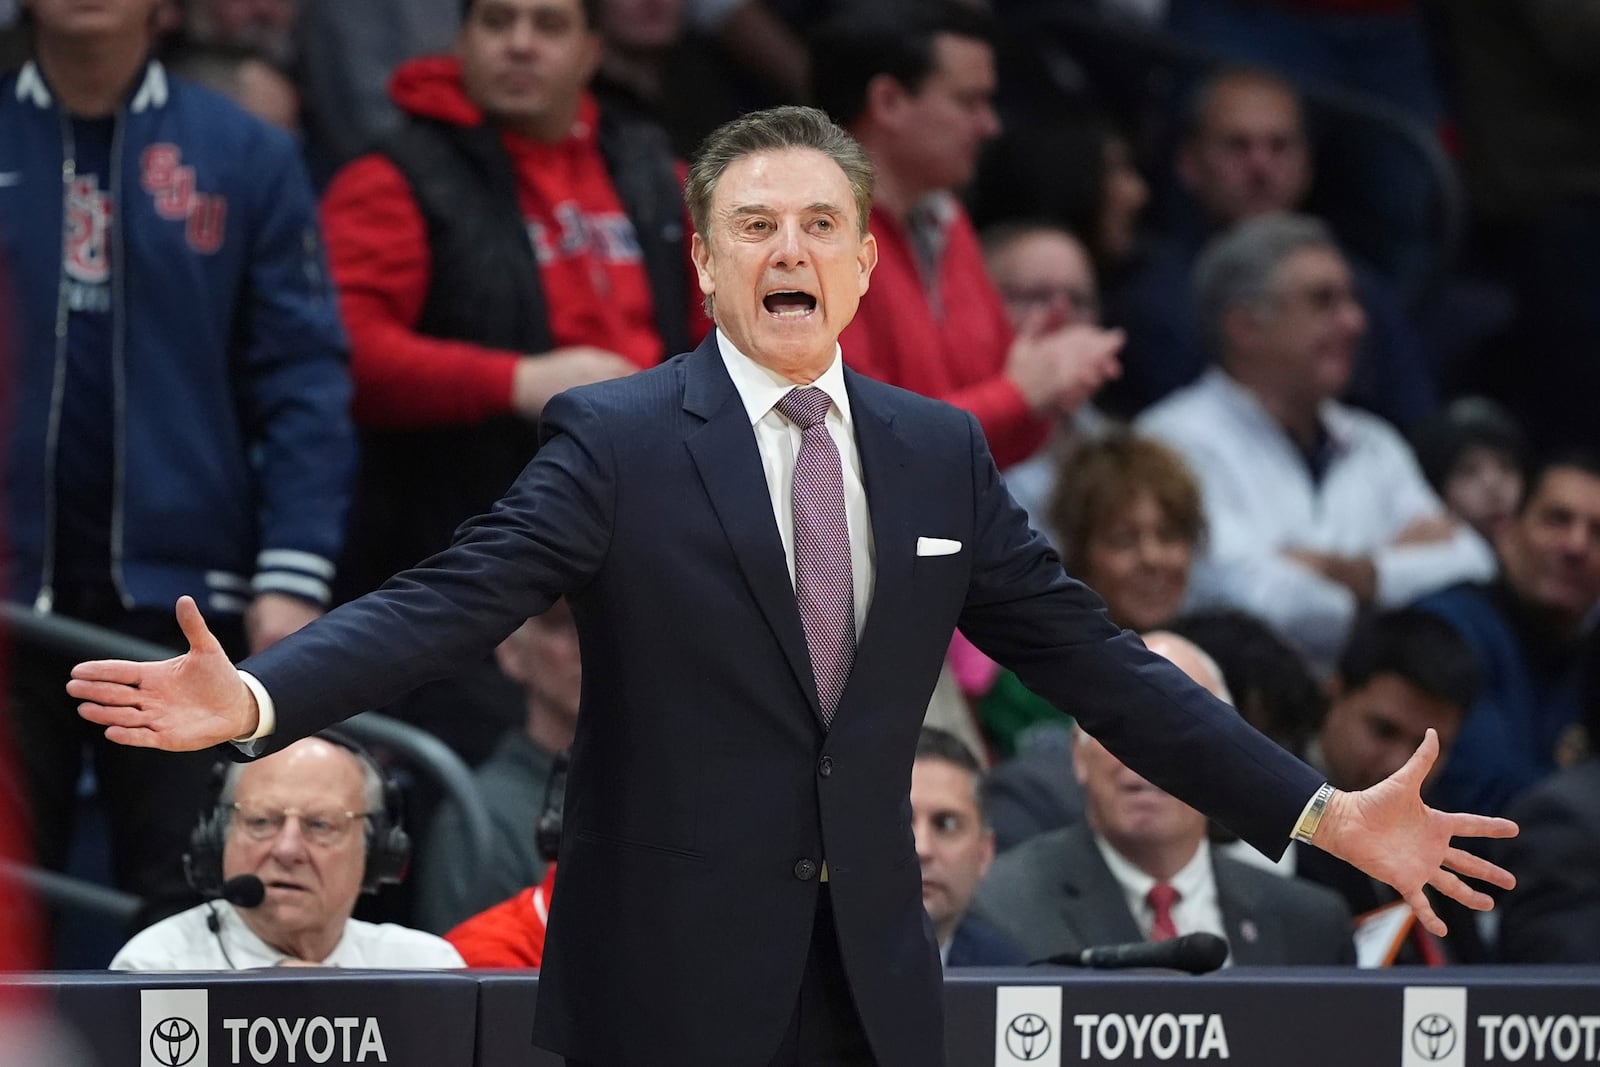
point(267, 712)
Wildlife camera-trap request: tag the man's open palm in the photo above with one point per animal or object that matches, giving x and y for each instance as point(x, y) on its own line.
point(1388, 832)
point(189, 702)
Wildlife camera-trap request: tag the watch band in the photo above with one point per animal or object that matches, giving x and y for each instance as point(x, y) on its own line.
point(1311, 818)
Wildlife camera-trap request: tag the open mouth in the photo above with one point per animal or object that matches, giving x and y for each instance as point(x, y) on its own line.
point(789, 304)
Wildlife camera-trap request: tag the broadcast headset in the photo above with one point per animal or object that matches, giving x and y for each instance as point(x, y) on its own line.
point(387, 845)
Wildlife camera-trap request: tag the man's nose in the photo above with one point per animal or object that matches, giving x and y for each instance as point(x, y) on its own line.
point(290, 842)
point(789, 248)
point(521, 37)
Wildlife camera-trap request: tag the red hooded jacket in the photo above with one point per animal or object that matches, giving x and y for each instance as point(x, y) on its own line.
point(596, 289)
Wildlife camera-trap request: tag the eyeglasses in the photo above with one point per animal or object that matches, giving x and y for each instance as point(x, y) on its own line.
point(323, 828)
point(1082, 301)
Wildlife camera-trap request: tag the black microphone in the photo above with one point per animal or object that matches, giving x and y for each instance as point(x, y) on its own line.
point(245, 890)
point(1197, 953)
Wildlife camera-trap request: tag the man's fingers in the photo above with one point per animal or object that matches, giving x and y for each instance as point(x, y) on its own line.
point(113, 715)
point(1465, 824)
point(112, 694)
point(1425, 914)
point(194, 627)
point(1457, 890)
point(1465, 863)
point(1421, 762)
point(110, 670)
point(133, 737)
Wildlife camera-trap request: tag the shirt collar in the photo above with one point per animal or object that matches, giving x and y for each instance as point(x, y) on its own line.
point(1334, 417)
point(1190, 879)
point(760, 388)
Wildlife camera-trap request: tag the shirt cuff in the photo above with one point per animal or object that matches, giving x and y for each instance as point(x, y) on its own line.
point(266, 710)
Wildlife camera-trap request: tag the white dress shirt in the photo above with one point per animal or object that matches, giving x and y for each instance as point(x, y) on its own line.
point(185, 942)
point(778, 440)
point(1260, 500)
point(1197, 909)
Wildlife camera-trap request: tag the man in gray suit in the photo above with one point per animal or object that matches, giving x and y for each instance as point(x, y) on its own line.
point(1140, 868)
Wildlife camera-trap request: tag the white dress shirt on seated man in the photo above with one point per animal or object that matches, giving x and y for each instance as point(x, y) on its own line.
point(186, 942)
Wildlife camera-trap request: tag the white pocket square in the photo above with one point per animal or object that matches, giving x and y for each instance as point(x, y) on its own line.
point(937, 546)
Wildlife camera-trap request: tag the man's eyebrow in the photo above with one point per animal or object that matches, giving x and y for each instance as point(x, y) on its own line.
point(816, 206)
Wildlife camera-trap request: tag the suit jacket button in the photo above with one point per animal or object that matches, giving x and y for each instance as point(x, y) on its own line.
point(825, 766)
point(805, 870)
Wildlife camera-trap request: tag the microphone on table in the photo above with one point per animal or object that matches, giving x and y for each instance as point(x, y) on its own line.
point(1197, 953)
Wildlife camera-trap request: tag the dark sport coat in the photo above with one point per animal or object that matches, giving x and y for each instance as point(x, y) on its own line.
point(704, 793)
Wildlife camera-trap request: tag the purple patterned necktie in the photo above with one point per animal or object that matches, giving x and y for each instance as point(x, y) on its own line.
point(822, 584)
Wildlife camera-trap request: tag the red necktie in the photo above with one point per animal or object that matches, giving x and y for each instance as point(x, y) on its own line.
point(822, 583)
point(1161, 898)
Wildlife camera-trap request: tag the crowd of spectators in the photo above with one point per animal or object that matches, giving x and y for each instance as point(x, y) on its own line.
point(289, 283)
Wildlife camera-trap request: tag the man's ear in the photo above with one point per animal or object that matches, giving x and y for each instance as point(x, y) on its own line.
point(885, 100)
point(700, 254)
point(866, 261)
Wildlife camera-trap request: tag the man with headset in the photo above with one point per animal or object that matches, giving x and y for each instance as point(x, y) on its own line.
point(291, 842)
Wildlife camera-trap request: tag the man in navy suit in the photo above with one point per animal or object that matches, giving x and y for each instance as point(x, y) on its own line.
point(738, 879)
point(955, 846)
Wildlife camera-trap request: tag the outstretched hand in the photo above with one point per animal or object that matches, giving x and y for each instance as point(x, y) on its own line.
point(1388, 832)
point(189, 702)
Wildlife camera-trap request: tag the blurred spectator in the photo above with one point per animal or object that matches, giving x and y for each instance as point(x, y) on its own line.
point(181, 425)
point(512, 932)
point(1313, 509)
point(1140, 868)
point(916, 92)
point(347, 51)
point(653, 66)
point(542, 658)
point(1402, 674)
point(1129, 513)
point(244, 76)
point(955, 847)
point(1378, 48)
point(317, 824)
point(1272, 684)
point(1071, 168)
point(1553, 915)
point(1127, 516)
point(267, 26)
point(1473, 454)
point(1044, 272)
point(509, 242)
point(1526, 631)
point(1245, 154)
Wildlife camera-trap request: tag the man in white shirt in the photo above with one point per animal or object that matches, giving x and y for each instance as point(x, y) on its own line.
point(1140, 869)
point(314, 825)
point(1313, 509)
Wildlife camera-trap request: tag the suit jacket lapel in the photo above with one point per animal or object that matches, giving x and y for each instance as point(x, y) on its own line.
point(725, 453)
point(1254, 935)
point(1093, 903)
point(884, 457)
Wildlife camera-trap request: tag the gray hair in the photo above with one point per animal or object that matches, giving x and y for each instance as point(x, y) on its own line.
point(773, 130)
point(1237, 267)
point(371, 780)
